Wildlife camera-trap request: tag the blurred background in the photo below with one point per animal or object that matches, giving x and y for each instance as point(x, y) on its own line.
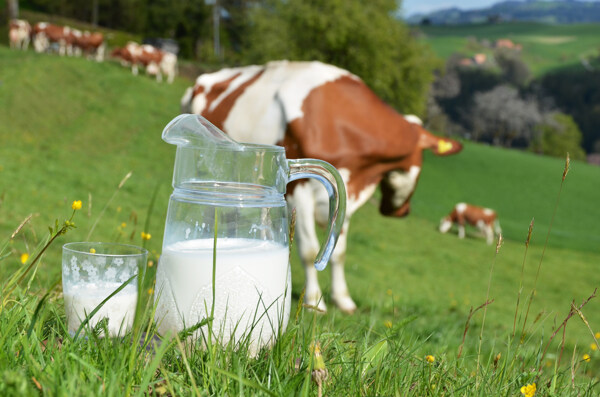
point(520, 74)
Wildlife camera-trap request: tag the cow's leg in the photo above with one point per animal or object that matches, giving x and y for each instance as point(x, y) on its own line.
point(302, 200)
point(489, 234)
point(134, 69)
point(339, 289)
point(461, 230)
point(100, 52)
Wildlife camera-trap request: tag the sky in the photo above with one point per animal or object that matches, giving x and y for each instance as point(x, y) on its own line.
point(410, 7)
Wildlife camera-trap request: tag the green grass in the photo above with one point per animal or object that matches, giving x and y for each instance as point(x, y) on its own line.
point(545, 47)
point(72, 129)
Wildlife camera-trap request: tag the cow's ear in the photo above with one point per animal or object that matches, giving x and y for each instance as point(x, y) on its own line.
point(446, 147)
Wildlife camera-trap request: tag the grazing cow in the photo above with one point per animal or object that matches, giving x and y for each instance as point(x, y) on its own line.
point(90, 44)
point(46, 34)
point(18, 33)
point(320, 111)
point(484, 219)
point(155, 61)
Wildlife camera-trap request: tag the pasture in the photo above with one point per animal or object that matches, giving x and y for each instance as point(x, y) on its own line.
point(71, 129)
point(546, 47)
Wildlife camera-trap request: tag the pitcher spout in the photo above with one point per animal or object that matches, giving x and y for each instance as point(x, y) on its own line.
point(192, 130)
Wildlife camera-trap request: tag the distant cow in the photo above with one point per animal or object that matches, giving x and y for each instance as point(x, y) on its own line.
point(484, 219)
point(18, 33)
point(155, 61)
point(90, 44)
point(320, 111)
point(46, 34)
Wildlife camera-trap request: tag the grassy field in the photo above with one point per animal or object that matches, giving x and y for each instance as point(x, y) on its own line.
point(71, 129)
point(545, 47)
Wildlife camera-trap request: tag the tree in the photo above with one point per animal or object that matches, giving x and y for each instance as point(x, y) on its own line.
point(559, 134)
point(500, 116)
point(13, 9)
point(514, 70)
point(360, 36)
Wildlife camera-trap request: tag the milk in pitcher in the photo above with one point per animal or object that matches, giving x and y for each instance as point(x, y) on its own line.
point(252, 294)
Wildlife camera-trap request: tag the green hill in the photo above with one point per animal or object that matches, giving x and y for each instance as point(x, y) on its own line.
point(546, 47)
point(72, 129)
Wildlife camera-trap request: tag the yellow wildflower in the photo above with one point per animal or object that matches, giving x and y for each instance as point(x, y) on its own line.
point(24, 258)
point(388, 324)
point(92, 251)
point(150, 291)
point(587, 358)
point(528, 390)
point(123, 225)
point(597, 335)
point(429, 358)
point(146, 236)
point(76, 205)
point(150, 263)
point(593, 347)
point(389, 292)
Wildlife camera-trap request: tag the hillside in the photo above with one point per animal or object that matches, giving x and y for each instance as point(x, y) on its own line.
point(72, 129)
point(545, 47)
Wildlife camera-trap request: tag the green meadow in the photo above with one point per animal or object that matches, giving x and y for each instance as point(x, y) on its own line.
point(546, 47)
point(73, 129)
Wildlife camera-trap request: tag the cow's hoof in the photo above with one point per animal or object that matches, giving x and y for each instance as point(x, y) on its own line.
point(345, 304)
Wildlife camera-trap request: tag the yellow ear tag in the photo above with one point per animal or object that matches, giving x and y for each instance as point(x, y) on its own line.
point(444, 146)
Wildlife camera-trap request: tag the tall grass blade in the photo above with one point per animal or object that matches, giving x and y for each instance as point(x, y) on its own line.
point(101, 304)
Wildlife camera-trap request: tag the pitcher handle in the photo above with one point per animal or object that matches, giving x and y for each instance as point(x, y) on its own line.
point(331, 179)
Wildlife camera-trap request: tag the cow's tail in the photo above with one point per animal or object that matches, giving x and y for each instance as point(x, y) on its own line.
point(186, 100)
point(497, 228)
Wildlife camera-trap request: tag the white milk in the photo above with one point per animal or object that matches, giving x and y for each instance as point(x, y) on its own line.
point(253, 289)
point(81, 299)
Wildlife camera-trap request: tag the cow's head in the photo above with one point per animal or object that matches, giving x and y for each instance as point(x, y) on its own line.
point(398, 186)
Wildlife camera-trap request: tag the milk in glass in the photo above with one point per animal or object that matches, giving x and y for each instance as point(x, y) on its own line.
point(252, 294)
point(81, 299)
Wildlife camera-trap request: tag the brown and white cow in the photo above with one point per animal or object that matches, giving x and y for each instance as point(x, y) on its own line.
point(320, 111)
point(90, 44)
point(19, 31)
point(485, 219)
point(155, 61)
point(45, 34)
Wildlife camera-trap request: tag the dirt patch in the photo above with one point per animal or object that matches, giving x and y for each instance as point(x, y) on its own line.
point(551, 39)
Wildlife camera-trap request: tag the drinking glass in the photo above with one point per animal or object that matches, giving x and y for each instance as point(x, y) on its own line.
point(91, 271)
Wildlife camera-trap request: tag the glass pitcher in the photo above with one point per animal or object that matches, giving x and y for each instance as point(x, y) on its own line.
point(230, 196)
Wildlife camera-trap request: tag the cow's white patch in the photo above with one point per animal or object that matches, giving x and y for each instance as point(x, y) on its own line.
point(186, 100)
point(461, 208)
point(42, 25)
point(257, 116)
point(403, 184)
point(445, 225)
point(300, 79)
point(488, 212)
point(353, 202)
point(411, 118)
point(246, 74)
